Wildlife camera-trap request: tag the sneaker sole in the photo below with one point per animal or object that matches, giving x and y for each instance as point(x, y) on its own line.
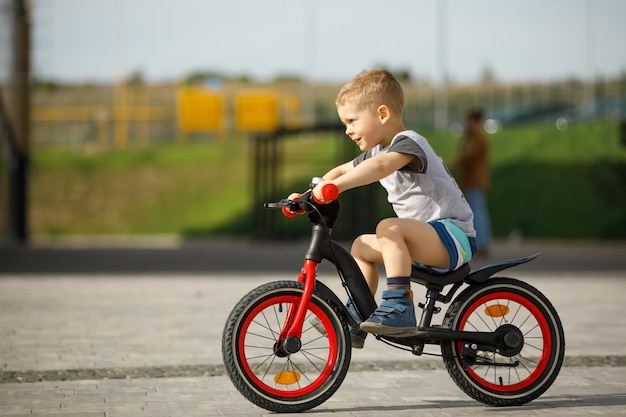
point(318, 326)
point(357, 343)
point(383, 330)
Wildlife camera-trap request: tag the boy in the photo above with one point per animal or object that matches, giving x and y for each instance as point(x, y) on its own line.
point(434, 226)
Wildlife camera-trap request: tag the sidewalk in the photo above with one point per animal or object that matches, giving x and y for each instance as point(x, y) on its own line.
point(577, 391)
point(146, 344)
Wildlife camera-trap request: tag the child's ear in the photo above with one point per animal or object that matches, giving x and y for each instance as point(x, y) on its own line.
point(383, 113)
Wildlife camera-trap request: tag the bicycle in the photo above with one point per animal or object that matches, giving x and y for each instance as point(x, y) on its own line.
point(501, 340)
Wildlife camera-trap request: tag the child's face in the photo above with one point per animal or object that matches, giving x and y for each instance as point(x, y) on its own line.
point(364, 127)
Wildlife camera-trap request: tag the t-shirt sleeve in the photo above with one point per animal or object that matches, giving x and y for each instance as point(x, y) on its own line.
point(356, 161)
point(405, 144)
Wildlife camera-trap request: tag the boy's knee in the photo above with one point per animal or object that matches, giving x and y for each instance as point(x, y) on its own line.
point(386, 227)
point(357, 246)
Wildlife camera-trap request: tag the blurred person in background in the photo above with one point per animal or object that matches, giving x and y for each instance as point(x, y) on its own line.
point(472, 165)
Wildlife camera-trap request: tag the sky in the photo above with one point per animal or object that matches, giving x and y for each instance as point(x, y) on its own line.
point(329, 40)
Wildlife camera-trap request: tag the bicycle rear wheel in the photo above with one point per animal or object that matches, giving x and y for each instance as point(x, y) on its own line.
point(495, 376)
point(274, 380)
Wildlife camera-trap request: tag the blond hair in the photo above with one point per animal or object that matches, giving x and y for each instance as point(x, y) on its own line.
point(371, 89)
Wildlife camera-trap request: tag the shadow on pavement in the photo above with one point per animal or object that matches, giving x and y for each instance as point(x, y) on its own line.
point(274, 256)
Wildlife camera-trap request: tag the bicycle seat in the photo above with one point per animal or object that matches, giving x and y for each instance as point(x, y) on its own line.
point(424, 277)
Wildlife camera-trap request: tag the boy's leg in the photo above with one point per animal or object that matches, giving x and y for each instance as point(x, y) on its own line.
point(366, 252)
point(401, 241)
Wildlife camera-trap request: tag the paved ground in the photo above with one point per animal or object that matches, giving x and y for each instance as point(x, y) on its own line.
point(140, 343)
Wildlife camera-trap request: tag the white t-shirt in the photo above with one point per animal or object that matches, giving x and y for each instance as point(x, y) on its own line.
point(428, 194)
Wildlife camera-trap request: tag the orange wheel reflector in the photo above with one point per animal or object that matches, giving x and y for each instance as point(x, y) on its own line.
point(287, 378)
point(497, 310)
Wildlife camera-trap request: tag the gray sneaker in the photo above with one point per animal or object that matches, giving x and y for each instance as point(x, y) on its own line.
point(395, 316)
point(357, 336)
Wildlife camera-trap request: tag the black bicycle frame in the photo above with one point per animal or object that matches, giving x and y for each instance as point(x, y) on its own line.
point(323, 247)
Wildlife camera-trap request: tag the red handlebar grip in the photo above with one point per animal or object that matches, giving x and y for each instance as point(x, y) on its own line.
point(330, 192)
point(289, 213)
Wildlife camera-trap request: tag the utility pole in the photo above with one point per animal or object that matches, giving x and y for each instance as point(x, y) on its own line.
point(441, 92)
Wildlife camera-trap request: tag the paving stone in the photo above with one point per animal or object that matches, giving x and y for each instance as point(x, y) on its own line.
point(150, 345)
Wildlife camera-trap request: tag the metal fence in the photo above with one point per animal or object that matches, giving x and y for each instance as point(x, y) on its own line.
point(96, 117)
point(274, 165)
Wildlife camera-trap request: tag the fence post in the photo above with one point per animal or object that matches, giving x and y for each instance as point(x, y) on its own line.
point(266, 163)
point(19, 148)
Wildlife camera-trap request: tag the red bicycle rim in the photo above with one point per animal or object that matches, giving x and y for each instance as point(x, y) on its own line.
point(330, 360)
point(545, 333)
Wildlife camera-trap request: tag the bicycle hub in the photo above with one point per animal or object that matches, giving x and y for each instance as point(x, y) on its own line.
point(291, 344)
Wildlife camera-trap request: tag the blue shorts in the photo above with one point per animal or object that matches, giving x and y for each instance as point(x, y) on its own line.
point(459, 245)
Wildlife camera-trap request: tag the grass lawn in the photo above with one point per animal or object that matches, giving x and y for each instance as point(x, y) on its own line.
point(545, 184)
point(165, 189)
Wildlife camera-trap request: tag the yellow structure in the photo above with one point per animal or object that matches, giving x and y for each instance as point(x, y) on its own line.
point(257, 111)
point(200, 110)
point(292, 112)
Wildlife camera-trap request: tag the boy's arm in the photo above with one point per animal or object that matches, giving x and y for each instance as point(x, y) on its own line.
point(338, 171)
point(367, 172)
point(330, 175)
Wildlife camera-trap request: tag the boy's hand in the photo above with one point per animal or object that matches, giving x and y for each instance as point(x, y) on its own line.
point(317, 192)
point(325, 192)
point(287, 210)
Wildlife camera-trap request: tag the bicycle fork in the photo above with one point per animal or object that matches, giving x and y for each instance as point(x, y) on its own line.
point(289, 340)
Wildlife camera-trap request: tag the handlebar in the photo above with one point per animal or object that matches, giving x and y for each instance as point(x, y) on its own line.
point(309, 203)
point(290, 208)
point(330, 192)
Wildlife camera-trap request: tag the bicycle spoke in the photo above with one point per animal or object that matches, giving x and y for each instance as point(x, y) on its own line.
point(273, 339)
point(308, 356)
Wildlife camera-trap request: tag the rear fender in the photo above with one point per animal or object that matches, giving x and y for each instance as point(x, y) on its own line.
point(484, 273)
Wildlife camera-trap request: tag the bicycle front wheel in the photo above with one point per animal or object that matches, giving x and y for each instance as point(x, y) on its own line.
point(495, 376)
point(270, 378)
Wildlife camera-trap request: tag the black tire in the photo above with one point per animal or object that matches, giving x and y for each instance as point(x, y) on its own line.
point(487, 306)
point(278, 382)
